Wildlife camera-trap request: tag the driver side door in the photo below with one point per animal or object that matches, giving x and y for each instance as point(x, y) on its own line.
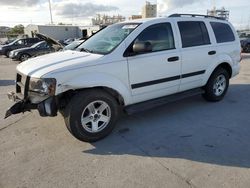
point(155, 73)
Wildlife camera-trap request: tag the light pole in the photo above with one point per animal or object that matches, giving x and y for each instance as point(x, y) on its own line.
point(51, 19)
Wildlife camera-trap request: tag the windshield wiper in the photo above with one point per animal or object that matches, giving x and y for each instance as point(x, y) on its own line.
point(86, 50)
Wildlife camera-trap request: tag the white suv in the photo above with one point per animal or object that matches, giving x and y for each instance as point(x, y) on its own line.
point(129, 66)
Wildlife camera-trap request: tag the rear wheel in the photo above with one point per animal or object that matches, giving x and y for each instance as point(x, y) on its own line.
point(91, 115)
point(217, 85)
point(24, 57)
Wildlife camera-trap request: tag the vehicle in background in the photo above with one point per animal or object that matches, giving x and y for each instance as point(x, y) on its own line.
point(245, 45)
point(73, 45)
point(46, 46)
point(17, 44)
point(7, 41)
point(37, 49)
point(68, 41)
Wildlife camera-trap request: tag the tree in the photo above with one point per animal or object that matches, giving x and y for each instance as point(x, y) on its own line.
point(17, 30)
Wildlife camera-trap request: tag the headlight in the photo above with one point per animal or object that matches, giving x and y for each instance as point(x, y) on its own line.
point(15, 53)
point(43, 86)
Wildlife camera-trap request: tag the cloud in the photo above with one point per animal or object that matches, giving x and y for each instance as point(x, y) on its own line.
point(178, 3)
point(82, 10)
point(19, 3)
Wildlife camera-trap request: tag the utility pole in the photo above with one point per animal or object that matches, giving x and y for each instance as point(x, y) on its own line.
point(51, 19)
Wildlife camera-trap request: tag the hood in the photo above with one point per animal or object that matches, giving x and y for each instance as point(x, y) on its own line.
point(56, 62)
point(48, 39)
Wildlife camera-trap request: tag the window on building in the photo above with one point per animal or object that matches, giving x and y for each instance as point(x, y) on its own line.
point(223, 32)
point(193, 33)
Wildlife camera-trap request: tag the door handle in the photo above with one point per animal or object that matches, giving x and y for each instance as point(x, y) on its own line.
point(172, 59)
point(212, 53)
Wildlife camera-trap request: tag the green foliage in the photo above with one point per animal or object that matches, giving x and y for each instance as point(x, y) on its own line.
point(17, 30)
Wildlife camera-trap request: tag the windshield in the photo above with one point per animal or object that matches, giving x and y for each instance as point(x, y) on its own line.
point(107, 39)
point(13, 42)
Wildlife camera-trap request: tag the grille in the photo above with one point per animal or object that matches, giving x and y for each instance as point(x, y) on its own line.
point(22, 85)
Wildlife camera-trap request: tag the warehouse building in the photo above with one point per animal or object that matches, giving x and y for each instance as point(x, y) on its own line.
point(61, 32)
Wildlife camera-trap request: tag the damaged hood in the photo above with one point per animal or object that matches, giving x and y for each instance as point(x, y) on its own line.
point(57, 62)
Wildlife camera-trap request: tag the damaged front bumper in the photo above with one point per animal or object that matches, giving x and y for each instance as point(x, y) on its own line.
point(48, 107)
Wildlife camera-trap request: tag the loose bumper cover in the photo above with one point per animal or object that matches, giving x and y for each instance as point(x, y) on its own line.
point(45, 108)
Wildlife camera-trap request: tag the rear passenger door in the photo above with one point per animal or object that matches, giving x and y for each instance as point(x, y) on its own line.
point(197, 53)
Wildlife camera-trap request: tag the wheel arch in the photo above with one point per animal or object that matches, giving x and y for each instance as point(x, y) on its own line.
point(24, 53)
point(225, 65)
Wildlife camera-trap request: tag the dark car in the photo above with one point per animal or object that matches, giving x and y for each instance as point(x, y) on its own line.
point(73, 45)
point(37, 49)
point(245, 45)
point(48, 45)
point(18, 43)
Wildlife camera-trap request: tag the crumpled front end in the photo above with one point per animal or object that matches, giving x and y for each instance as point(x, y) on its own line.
point(29, 95)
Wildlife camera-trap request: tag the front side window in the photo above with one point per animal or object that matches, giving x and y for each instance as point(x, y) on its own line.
point(108, 39)
point(160, 36)
point(223, 32)
point(193, 33)
point(19, 42)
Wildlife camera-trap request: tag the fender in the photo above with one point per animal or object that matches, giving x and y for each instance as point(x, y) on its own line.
point(92, 80)
point(223, 58)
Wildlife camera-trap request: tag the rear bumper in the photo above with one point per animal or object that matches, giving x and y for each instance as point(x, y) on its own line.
point(45, 108)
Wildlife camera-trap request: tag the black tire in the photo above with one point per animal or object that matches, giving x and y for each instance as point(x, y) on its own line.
point(24, 57)
point(7, 53)
point(247, 48)
point(75, 109)
point(210, 92)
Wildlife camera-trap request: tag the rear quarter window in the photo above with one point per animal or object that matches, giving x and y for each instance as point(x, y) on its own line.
point(223, 32)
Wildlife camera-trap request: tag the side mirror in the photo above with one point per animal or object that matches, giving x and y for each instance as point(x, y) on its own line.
point(142, 47)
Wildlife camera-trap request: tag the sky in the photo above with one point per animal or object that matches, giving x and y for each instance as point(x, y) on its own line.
point(80, 12)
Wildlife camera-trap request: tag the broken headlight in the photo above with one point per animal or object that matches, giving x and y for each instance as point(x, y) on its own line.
point(43, 86)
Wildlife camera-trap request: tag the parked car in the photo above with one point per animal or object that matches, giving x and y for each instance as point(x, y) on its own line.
point(18, 43)
point(245, 45)
point(46, 46)
point(73, 45)
point(68, 41)
point(130, 66)
point(23, 54)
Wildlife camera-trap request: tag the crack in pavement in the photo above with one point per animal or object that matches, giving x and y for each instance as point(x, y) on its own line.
point(187, 181)
point(22, 118)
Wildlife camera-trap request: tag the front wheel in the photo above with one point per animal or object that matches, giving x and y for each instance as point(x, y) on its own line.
point(24, 57)
point(91, 115)
point(217, 85)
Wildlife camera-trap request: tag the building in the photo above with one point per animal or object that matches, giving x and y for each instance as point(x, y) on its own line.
point(149, 10)
point(134, 17)
point(58, 32)
point(89, 30)
point(105, 20)
point(222, 13)
point(3, 31)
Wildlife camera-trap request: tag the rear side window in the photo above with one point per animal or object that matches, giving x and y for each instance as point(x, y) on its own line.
point(223, 32)
point(193, 33)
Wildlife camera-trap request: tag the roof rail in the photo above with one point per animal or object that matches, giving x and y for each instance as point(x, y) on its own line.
point(196, 15)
